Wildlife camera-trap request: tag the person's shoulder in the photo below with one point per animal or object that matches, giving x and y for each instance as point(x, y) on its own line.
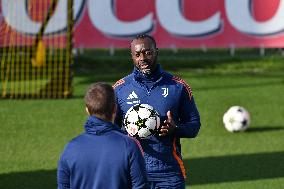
point(73, 144)
point(134, 144)
point(122, 134)
point(122, 82)
point(176, 79)
point(166, 74)
point(181, 82)
point(76, 140)
point(131, 142)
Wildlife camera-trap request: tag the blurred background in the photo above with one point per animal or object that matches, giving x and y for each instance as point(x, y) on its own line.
point(229, 51)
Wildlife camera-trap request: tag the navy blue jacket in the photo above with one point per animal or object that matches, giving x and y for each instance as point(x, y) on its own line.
point(164, 92)
point(102, 157)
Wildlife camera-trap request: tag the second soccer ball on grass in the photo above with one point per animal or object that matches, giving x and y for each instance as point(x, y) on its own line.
point(236, 119)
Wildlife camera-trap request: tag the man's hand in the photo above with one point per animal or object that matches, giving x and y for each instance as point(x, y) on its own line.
point(168, 126)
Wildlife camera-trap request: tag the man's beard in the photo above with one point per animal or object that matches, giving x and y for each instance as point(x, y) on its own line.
point(146, 71)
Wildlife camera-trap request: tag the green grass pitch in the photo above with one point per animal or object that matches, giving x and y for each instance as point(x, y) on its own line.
point(34, 132)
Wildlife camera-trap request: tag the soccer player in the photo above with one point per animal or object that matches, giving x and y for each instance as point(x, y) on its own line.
point(172, 98)
point(102, 157)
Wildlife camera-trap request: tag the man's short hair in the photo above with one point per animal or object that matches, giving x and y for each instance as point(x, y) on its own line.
point(100, 100)
point(145, 36)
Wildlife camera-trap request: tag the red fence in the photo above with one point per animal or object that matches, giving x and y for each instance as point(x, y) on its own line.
point(174, 23)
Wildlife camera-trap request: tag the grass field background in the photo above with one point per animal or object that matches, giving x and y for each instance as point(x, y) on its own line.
point(33, 132)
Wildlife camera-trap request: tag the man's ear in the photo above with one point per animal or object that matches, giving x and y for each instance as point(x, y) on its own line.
point(115, 108)
point(87, 110)
point(114, 113)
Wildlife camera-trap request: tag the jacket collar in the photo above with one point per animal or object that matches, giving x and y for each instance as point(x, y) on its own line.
point(98, 126)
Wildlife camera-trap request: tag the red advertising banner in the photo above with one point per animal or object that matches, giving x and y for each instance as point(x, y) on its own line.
point(174, 23)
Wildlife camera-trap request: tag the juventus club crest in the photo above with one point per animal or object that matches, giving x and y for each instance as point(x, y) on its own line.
point(165, 91)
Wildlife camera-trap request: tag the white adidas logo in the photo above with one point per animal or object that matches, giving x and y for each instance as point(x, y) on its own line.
point(132, 95)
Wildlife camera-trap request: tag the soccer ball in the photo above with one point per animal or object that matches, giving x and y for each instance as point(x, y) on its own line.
point(236, 119)
point(141, 121)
